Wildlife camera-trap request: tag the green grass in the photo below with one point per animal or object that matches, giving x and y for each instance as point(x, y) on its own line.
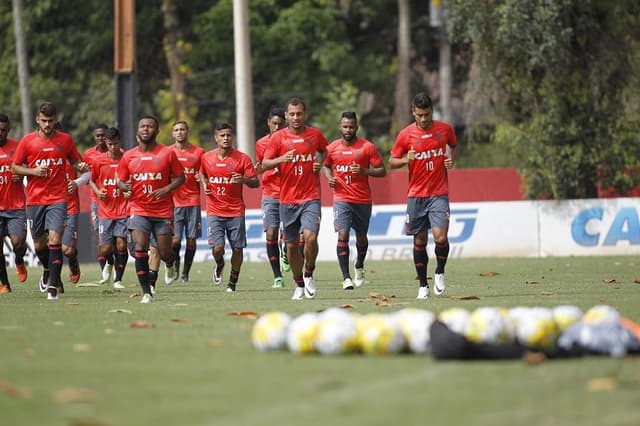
point(203, 370)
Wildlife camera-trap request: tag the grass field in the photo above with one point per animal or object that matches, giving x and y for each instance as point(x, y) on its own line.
point(77, 361)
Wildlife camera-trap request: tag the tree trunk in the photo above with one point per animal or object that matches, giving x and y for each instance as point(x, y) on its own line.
point(23, 68)
point(445, 71)
point(402, 110)
point(174, 59)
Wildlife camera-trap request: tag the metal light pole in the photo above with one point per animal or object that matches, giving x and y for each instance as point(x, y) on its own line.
point(244, 89)
point(124, 68)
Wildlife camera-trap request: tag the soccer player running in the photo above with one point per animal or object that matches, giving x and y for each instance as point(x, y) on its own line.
point(424, 147)
point(13, 222)
point(151, 171)
point(349, 163)
point(271, 198)
point(42, 157)
point(113, 208)
point(298, 151)
point(223, 172)
point(70, 235)
point(97, 151)
point(186, 199)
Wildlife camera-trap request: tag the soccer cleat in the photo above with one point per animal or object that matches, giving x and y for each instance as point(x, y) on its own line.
point(21, 272)
point(217, 274)
point(359, 279)
point(52, 293)
point(153, 289)
point(4, 289)
point(439, 285)
point(117, 285)
point(185, 279)
point(44, 281)
point(74, 271)
point(61, 288)
point(278, 282)
point(347, 284)
point(309, 287)
point(106, 274)
point(231, 288)
point(298, 293)
point(284, 260)
point(146, 298)
point(170, 274)
point(423, 292)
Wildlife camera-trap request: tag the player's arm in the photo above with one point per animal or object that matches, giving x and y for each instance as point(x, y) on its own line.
point(204, 181)
point(250, 181)
point(80, 166)
point(271, 163)
point(327, 171)
point(174, 183)
point(451, 157)
point(19, 169)
point(398, 160)
point(320, 157)
point(379, 171)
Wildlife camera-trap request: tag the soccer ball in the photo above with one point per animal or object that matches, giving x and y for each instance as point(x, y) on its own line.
point(565, 315)
point(269, 333)
point(379, 335)
point(490, 325)
point(535, 327)
point(337, 333)
point(456, 319)
point(600, 314)
point(302, 333)
point(415, 325)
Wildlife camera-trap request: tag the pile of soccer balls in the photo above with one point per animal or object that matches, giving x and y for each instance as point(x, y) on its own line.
point(338, 331)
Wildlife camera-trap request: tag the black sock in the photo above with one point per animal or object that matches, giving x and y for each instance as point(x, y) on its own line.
point(420, 260)
point(361, 254)
point(142, 270)
point(55, 264)
point(342, 249)
point(4, 278)
point(110, 258)
point(103, 261)
point(442, 253)
point(233, 277)
point(153, 277)
point(308, 270)
point(299, 281)
point(176, 257)
point(274, 257)
point(121, 263)
point(188, 261)
point(43, 257)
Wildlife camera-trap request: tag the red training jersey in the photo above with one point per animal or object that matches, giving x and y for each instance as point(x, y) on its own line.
point(90, 155)
point(225, 199)
point(427, 174)
point(149, 171)
point(12, 196)
point(298, 181)
point(103, 174)
point(188, 194)
point(352, 187)
point(73, 202)
point(54, 153)
point(270, 179)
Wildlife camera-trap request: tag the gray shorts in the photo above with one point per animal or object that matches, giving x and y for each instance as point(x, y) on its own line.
point(13, 223)
point(351, 215)
point(70, 236)
point(95, 222)
point(232, 227)
point(46, 218)
point(297, 218)
point(270, 213)
point(187, 221)
point(427, 212)
point(151, 225)
point(110, 229)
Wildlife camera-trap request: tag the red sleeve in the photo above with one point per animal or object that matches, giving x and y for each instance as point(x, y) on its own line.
point(328, 160)
point(123, 169)
point(322, 142)
point(249, 171)
point(176, 167)
point(399, 148)
point(273, 147)
point(374, 156)
point(20, 156)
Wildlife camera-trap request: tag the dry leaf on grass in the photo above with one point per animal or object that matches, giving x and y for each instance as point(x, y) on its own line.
point(134, 295)
point(88, 285)
point(600, 384)
point(142, 324)
point(637, 281)
point(81, 347)
point(610, 281)
point(120, 311)
point(464, 297)
point(67, 395)
point(488, 274)
point(346, 306)
point(177, 320)
point(216, 343)
point(531, 282)
point(534, 358)
point(72, 303)
point(246, 314)
point(9, 389)
point(547, 293)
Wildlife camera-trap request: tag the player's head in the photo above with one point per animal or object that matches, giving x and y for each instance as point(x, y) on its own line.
point(349, 125)
point(296, 113)
point(99, 133)
point(276, 119)
point(180, 131)
point(224, 135)
point(47, 118)
point(113, 139)
point(422, 110)
point(148, 128)
point(5, 127)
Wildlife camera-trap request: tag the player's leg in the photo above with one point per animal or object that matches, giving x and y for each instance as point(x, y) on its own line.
point(154, 263)
point(310, 226)
point(417, 225)
point(140, 228)
point(69, 246)
point(215, 238)
point(290, 216)
point(237, 235)
point(55, 218)
point(5, 286)
point(17, 229)
point(342, 225)
point(121, 257)
point(271, 226)
point(361, 218)
point(439, 219)
point(193, 232)
point(180, 221)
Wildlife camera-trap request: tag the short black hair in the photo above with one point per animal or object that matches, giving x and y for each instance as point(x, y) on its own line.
point(100, 126)
point(4, 118)
point(48, 109)
point(180, 122)
point(222, 126)
point(276, 112)
point(349, 115)
point(150, 117)
point(422, 100)
point(296, 101)
point(112, 133)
